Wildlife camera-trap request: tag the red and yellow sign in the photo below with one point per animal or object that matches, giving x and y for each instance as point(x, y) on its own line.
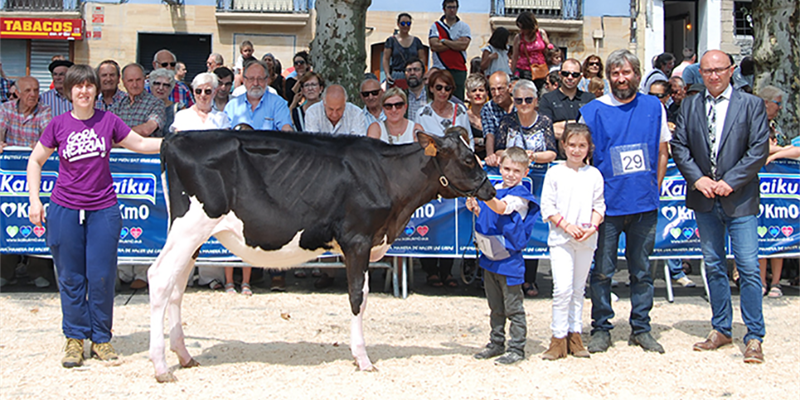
point(41, 28)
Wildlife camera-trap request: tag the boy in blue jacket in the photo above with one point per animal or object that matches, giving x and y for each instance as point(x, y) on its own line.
point(503, 227)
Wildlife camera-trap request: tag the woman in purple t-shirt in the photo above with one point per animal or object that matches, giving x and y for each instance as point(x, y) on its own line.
point(83, 219)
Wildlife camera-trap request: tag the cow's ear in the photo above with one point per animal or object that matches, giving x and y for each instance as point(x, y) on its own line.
point(428, 142)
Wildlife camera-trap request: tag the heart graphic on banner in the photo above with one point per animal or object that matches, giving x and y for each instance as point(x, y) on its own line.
point(787, 231)
point(669, 212)
point(409, 230)
point(422, 230)
point(123, 233)
point(688, 232)
point(25, 230)
point(12, 230)
point(774, 231)
point(675, 232)
point(38, 231)
point(136, 232)
point(8, 209)
point(697, 232)
point(762, 230)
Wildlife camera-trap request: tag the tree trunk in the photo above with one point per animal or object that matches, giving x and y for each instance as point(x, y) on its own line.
point(777, 53)
point(337, 51)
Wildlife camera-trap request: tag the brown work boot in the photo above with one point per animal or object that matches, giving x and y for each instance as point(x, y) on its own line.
point(73, 353)
point(575, 345)
point(714, 341)
point(753, 353)
point(558, 349)
point(104, 351)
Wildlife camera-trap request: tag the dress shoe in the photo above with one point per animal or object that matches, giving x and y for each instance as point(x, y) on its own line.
point(138, 284)
point(599, 342)
point(491, 350)
point(646, 341)
point(714, 341)
point(753, 353)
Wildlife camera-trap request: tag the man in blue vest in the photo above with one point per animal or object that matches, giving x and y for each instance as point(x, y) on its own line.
point(630, 134)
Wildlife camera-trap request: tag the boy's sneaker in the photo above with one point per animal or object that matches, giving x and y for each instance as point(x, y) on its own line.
point(491, 350)
point(73, 353)
point(104, 351)
point(510, 357)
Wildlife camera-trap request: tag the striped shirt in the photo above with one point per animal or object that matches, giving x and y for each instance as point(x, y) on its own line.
point(58, 103)
point(18, 129)
point(140, 109)
point(119, 96)
point(5, 85)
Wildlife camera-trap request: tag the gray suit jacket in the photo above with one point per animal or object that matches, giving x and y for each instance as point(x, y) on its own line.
point(743, 150)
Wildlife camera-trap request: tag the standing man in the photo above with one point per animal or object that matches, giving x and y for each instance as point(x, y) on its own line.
point(181, 92)
point(371, 94)
point(417, 93)
point(720, 144)
point(142, 111)
point(55, 97)
point(449, 39)
point(630, 134)
point(661, 71)
point(492, 112)
point(214, 61)
point(23, 121)
point(689, 58)
point(109, 74)
point(563, 104)
point(258, 107)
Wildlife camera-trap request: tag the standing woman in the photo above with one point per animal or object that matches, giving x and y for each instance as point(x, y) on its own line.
point(301, 66)
point(477, 95)
point(529, 47)
point(311, 87)
point(399, 49)
point(83, 220)
point(592, 68)
point(396, 129)
point(162, 81)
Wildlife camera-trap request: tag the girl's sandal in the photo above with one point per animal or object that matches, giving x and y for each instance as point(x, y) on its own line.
point(246, 290)
point(229, 288)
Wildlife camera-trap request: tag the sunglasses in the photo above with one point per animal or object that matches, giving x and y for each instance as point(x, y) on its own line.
point(594, 64)
point(165, 64)
point(439, 88)
point(780, 104)
point(299, 62)
point(567, 74)
point(375, 93)
point(659, 95)
point(201, 91)
point(12, 96)
point(405, 23)
point(528, 100)
point(396, 106)
point(162, 84)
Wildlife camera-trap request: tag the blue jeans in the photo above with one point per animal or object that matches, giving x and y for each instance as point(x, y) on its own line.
point(743, 232)
point(675, 266)
point(85, 254)
point(640, 234)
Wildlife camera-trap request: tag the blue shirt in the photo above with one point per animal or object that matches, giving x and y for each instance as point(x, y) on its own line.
point(58, 103)
point(271, 114)
point(691, 74)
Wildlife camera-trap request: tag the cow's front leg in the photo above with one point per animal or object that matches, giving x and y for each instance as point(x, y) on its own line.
point(357, 263)
point(176, 336)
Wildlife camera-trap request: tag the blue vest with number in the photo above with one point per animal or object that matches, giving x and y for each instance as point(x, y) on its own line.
point(626, 140)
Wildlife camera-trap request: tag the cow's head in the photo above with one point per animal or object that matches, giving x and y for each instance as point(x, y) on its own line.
point(460, 171)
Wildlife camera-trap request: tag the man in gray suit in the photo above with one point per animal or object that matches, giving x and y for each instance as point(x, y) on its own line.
point(719, 145)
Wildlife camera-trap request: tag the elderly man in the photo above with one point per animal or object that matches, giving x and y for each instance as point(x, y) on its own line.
point(661, 71)
point(22, 121)
point(371, 93)
point(258, 107)
point(563, 105)
point(720, 144)
point(142, 111)
point(630, 135)
point(493, 111)
point(214, 61)
point(417, 93)
point(110, 94)
point(334, 114)
point(181, 92)
point(449, 38)
point(55, 97)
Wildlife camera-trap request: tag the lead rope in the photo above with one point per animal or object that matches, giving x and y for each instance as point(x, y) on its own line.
point(470, 272)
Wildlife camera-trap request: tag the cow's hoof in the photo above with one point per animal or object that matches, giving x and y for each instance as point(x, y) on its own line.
point(191, 364)
point(367, 368)
point(166, 378)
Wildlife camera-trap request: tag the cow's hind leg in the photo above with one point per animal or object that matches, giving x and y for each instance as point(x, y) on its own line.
point(358, 346)
point(357, 263)
point(176, 337)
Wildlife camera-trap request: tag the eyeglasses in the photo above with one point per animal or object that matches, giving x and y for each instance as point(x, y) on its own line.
point(226, 83)
point(310, 85)
point(413, 69)
point(780, 104)
point(165, 64)
point(201, 91)
point(439, 88)
point(594, 64)
point(528, 100)
point(452, 7)
point(659, 95)
point(396, 106)
point(405, 23)
point(375, 92)
point(299, 62)
point(718, 71)
point(162, 84)
point(567, 73)
point(258, 79)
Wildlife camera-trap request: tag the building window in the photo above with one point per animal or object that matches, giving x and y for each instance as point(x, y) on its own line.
point(743, 18)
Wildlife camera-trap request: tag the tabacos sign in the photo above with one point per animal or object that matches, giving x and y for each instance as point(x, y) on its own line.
point(41, 28)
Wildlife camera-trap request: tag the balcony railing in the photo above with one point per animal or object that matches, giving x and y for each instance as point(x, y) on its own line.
point(548, 9)
point(265, 6)
point(41, 5)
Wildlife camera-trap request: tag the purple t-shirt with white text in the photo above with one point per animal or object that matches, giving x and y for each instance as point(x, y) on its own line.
point(84, 174)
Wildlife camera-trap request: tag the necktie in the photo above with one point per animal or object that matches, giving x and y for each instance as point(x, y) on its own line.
point(712, 131)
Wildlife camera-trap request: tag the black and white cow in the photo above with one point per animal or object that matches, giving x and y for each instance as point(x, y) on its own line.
point(278, 199)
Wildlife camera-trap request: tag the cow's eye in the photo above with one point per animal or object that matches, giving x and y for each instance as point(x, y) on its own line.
point(470, 161)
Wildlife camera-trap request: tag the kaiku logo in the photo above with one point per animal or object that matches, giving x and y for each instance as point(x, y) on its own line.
point(673, 189)
point(135, 186)
point(84, 144)
point(15, 183)
point(779, 187)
